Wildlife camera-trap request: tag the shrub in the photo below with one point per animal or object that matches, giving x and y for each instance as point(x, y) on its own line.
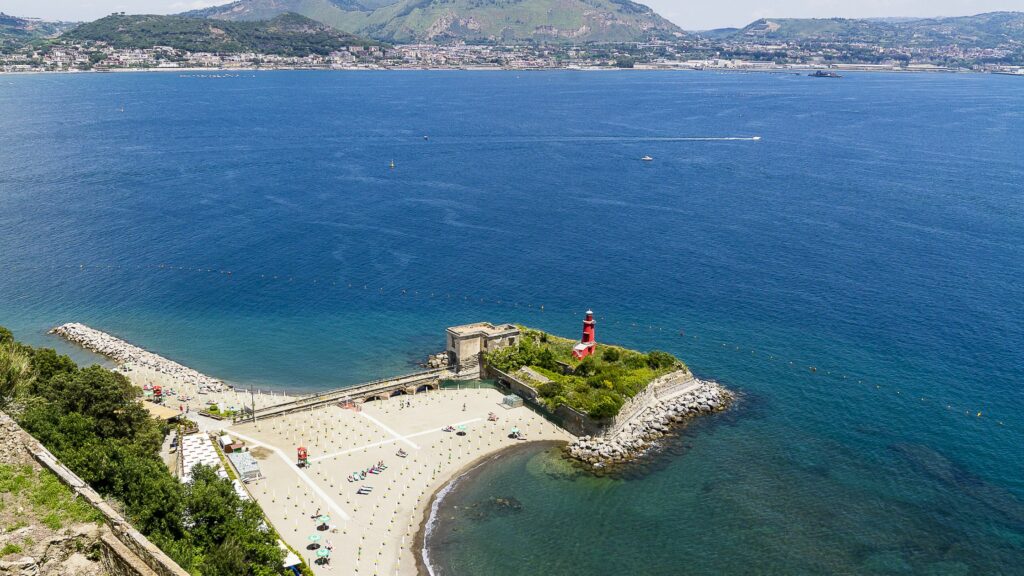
point(610, 355)
point(549, 389)
point(658, 359)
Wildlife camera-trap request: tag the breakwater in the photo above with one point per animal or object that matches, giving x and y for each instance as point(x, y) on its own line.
point(634, 437)
point(129, 356)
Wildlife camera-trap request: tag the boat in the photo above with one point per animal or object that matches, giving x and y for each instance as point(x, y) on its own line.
point(824, 74)
point(392, 163)
point(756, 138)
point(647, 159)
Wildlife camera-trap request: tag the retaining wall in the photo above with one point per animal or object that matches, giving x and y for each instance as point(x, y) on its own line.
point(126, 551)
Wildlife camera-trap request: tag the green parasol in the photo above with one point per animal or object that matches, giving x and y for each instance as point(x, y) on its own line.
point(323, 553)
point(324, 519)
point(314, 538)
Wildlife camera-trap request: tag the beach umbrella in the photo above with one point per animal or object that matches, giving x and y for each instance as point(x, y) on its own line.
point(323, 553)
point(314, 538)
point(324, 519)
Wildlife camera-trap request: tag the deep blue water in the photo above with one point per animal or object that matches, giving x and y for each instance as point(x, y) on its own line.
point(875, 233)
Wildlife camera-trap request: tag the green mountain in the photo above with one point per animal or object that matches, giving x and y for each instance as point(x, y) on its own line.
point(988, 30)
point(469, 20)
point(286, 34)
point(16, 31)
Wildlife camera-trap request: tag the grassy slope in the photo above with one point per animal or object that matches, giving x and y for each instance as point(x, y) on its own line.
point(983, 30)
point(30, 497)
point(409, 20)
point(287, 34)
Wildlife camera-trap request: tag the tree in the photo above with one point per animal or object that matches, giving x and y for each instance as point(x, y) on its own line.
point(586, 367)
point(658, 359)
point(48, 363)
point(610, 354)
point(605, 407)
point(546, 359)
point(229, 528)
point(15, 369)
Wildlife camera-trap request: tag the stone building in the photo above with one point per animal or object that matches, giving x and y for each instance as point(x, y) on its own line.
point(467, 342)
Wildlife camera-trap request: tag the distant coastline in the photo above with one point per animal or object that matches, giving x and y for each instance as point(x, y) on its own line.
point(794, 71)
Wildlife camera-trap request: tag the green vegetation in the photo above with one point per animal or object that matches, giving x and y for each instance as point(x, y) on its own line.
point(598, 385)
point(505, 21)
point(214, 410)
point(286, 35)
point(42, 496)
point(16, 32)
point(981, 31)
point(9, 548)
point(92, 420)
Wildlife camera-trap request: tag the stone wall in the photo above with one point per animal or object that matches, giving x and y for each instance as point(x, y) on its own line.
point(126, 552)
point(636, 436)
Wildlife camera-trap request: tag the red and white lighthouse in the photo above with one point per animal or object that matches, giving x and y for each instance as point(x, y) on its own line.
point(587, 343)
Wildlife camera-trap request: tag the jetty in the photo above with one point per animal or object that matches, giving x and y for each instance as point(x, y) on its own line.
point(129, 355)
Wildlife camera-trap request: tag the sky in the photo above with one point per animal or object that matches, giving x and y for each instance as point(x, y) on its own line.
point(689, 14)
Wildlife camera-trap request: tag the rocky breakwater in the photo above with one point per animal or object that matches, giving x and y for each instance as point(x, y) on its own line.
point(636, 436)
point(128, 356)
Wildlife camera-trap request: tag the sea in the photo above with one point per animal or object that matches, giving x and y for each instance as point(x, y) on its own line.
point(847, 255)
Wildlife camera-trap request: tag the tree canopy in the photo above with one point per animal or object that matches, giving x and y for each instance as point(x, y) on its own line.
point(93, 421)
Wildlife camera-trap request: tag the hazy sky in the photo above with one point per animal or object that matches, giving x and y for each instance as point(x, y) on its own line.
point(690, 14)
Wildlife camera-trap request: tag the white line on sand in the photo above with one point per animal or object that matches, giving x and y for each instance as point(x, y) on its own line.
point(389, 430)
point(309, 482)
point(388, 441)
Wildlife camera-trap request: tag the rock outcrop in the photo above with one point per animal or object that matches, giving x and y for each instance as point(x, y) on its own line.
point(637, 435)
point(128, 355)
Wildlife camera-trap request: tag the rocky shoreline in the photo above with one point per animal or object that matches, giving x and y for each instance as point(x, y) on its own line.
point(638, 435)
point(128, 356)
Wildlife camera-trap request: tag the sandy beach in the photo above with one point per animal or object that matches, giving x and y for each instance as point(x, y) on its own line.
point(371, 533)
point(375, 533)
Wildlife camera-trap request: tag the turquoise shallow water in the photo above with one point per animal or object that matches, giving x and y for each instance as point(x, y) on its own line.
point(875, 232)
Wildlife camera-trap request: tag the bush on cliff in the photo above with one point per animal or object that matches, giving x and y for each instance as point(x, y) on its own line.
point(93, 421)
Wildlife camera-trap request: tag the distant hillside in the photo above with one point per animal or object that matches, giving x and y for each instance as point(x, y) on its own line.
point(981, 31)
point(15, 31)
point(470, 20)
point(286, 34)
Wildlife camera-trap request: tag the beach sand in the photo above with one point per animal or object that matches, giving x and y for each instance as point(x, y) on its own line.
point(376, 533)
point(225, 399)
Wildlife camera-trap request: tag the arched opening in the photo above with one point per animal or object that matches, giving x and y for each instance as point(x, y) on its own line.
point(397, 393)
point(424, 388)
point(371, 399)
